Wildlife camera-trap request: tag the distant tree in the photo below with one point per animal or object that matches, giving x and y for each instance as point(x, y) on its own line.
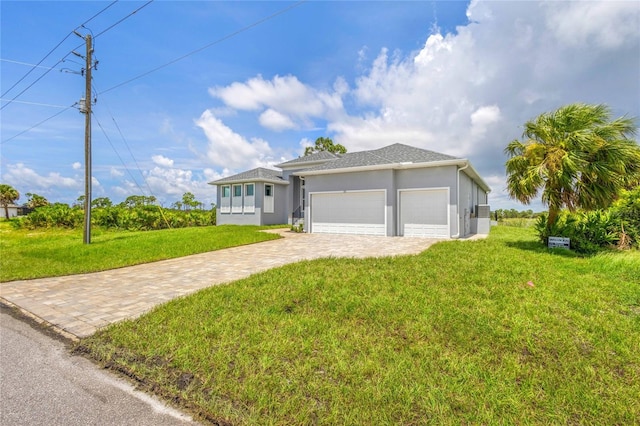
point(79, 201)
point(8, 195)
point(101, 202)
point(189, 201)
point(138, 201)
point(325, 144)
point(36, 200)
point(576, 156)
point(177, 205)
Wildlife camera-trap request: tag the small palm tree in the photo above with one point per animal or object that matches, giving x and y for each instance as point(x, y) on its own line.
point(8, 195)
point(577, 156)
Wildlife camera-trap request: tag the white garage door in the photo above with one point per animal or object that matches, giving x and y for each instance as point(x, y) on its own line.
point(351, 212)
point(424, 213)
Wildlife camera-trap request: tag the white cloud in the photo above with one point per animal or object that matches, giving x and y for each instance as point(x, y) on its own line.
point(285, 102)
point(161, 160)
point(114, 172)
point(76, 166)
point(274, 120)
point(20, 176)
point(229, 149)
point(607, 24)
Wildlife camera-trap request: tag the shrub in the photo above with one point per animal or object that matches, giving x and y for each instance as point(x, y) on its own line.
point(589, 231)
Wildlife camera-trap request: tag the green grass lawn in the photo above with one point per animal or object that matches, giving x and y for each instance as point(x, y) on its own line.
point(28, 254)
point(455, 335)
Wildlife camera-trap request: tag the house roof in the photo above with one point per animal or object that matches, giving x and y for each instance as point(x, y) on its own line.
point(308, 160)
point(393, 154)
point(259, 174)
point(392, 157)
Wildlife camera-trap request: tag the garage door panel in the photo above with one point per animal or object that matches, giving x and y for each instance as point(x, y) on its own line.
point(349, 213)
point(424, 213)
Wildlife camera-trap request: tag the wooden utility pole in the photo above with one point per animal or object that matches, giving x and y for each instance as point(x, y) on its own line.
point(87, 142)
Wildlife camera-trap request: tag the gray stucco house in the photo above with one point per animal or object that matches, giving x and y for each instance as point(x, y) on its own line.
point(398, 190)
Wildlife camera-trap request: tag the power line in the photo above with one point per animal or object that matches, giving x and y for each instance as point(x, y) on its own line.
point(36, 125)
point(134, 159)
point(36, 103)
point(51, 51)
point(24, 63)
point(218, 41)
point(126, 17)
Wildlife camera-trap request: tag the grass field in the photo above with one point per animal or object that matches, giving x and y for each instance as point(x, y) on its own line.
point(53, 252)
point(500, 331)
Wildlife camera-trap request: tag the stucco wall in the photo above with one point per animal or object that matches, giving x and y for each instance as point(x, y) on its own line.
point(258, 217)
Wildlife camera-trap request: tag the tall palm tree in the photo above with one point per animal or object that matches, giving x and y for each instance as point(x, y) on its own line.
point(8, 195)
point(577, 156)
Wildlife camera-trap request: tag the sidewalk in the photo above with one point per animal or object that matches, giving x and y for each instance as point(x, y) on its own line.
point(77, 305)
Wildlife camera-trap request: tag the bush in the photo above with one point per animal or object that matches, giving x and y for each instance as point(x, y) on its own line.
point(54, 215)
point(626, 211)
point(589, 231)
point(138, 218)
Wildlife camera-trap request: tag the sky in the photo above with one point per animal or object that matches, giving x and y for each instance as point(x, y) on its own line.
point(188, 92)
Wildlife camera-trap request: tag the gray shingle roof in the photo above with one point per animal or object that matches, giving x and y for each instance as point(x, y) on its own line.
point(259, 174)
point(318, 156)
point(392, 154)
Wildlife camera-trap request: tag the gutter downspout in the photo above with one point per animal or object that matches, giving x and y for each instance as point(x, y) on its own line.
point(458, 197)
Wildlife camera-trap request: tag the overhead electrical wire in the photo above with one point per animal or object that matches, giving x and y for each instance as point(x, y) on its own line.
point(123, 19)
point(62, 60)
point(52, 50)
point(38, 124)
point(220, 40)
point(37, 103)
point(134, 159)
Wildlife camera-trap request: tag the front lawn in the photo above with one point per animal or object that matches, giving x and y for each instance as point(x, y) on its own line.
point(53, 252)
point(492, 331)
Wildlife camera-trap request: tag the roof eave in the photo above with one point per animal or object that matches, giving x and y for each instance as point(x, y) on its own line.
point(387, 166)
point(235, 181)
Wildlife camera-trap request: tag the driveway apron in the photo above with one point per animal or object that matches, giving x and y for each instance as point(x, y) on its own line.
point(78, 305)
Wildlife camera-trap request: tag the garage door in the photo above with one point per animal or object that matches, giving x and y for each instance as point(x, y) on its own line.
point(351, 212)
point(424, 213)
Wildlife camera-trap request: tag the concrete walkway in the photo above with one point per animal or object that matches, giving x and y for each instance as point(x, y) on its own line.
point(77, 305)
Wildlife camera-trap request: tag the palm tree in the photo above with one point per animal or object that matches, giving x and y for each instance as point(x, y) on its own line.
point(8, 195)
point(577, 156)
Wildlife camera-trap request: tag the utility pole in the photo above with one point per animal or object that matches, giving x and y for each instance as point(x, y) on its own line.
point(86, 109)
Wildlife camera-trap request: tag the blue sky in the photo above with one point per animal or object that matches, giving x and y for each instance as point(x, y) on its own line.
point(455, 77)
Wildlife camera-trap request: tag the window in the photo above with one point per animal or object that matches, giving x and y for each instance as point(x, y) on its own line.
point(268, 198)
point(225, 201)
point(236, 199)
point(249, 198)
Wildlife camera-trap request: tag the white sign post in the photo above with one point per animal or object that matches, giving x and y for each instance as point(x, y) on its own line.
point(559, 242)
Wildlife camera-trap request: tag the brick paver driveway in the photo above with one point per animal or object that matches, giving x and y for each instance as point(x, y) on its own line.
point(80, 304)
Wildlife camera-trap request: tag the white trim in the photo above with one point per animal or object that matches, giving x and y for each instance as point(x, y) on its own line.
point(351, 228)
point(425, 230)
point(268, 202)
point(236, 207)
point(225, 208)
point(246, 207)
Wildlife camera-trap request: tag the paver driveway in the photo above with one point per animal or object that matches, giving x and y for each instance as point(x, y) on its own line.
point(80, 304)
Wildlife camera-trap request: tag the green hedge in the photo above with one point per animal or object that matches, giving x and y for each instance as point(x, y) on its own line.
point(140, 218)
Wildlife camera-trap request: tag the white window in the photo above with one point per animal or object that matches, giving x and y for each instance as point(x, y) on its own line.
point(236, 199)
point(268, 198)
point(249, 198)
point(225, 199)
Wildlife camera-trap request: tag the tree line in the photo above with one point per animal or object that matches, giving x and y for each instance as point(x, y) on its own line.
point(136, 212)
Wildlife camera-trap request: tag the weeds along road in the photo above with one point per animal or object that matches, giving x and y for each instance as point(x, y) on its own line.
point(41, 383)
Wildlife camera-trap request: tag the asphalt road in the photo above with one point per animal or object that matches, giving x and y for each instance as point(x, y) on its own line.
point(41, 383)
